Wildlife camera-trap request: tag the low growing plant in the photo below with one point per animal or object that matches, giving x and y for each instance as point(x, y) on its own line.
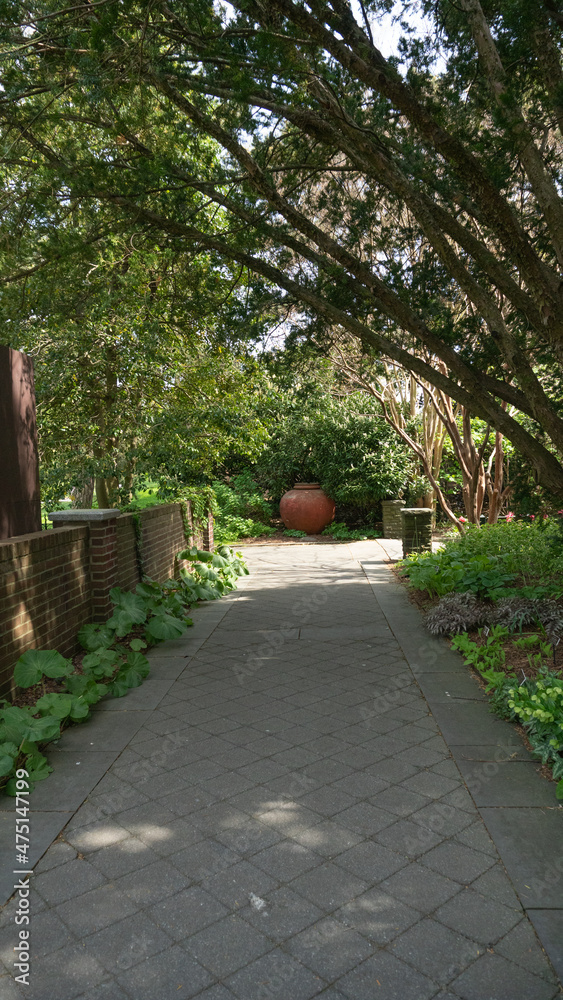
point(341, 533)
point(453, 569)
point(536, 703)
point(456, 613)
point(240, 509)
point(512, 559)
point(211, 574)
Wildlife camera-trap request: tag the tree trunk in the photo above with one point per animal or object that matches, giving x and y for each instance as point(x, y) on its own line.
point(82, 498)
point(102, 494)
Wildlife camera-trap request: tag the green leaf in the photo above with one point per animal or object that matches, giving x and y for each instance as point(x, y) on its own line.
point(42, 730)
point(134, 605)
point(6, 765)
point(27, 674)
point(137, 661)
point(205, 593)
point(149, 589)
point(36, 663)
point(162, 627)
point(137, 644)
point(39, 769)
point(86, 687)
point(11, 789)
point(119, 686)
point(134, 671)
point(190, 554)
point(14, 723)
point(102, 661)
point(80, 708)
point(59, 705)
point(92, 637)
point(120, 622)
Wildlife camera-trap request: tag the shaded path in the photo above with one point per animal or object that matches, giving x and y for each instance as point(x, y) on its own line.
point(288, 822)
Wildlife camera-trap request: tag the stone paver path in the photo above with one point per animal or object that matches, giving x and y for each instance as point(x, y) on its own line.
point(287, 823)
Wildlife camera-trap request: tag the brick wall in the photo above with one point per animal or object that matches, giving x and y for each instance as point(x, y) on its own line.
point(392, 518)
point(127, 566)
point(52, 582)
point(162, 536)
point(45, 594)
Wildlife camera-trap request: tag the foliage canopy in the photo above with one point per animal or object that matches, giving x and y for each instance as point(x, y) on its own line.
point(415, 205)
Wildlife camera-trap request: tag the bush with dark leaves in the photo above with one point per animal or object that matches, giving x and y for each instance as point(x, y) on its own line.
point(457, 613)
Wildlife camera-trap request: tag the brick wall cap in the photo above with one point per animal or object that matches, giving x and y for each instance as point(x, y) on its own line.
point(99, 514)
point(417, 510)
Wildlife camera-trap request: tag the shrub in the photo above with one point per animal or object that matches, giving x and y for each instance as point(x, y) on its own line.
point(487, 560)
point(456, 613)
point(240, 509)
point(341, 533)
point(343, 444)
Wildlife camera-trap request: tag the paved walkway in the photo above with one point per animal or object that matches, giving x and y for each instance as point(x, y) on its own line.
point(283, 818)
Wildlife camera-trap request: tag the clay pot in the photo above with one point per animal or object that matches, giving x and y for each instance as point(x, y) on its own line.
point(306, 508)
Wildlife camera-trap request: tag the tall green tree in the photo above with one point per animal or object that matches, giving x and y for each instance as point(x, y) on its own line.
point(134, 376)
point(332, 162)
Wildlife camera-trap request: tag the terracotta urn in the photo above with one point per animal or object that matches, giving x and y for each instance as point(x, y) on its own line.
point(306, 508)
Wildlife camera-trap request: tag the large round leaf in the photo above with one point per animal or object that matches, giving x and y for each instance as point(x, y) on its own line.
point(165, 627)
point(103, 658)
point(92, 636)
point(80, 708)
point(59, 705)
point(137, 661)
point(14, 723)
point(42, 730)
point(6, 765)
point(134, 605)
point(38, 663)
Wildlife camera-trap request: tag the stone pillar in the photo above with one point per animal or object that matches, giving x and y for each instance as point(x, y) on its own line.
point(103, 553)
point(416, 533)
point(392, 518)
point(20, 505)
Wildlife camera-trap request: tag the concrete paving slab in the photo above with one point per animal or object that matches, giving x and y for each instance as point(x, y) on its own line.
point(46, 826)
point(104, 731)
point(446, 685)
point(507, 783)
point(142, 698)
point(549, 926)
point(470, 723)
point(529, 841)
point(75, 773)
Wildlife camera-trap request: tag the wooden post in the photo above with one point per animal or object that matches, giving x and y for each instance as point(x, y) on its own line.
point(20, 504)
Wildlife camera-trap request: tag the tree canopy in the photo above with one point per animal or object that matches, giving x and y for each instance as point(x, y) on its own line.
point(413, 202)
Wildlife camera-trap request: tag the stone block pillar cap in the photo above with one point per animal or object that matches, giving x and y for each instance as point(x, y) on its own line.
point(98, 514)
point(417, 510)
